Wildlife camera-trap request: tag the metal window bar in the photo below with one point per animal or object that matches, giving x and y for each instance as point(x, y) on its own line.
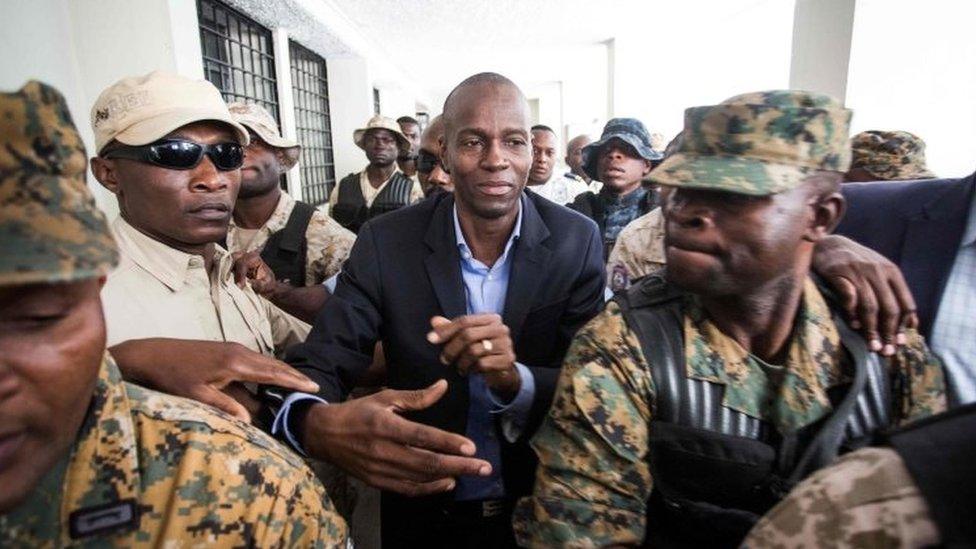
point(310, 89)
point(238, 55)
point(376, 101)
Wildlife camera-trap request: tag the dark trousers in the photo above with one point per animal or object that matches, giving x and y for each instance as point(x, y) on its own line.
point(438, 522)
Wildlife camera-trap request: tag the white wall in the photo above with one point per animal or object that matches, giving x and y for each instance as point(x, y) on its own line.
point(351, 102)
point(913, 67)
point(821, 46)
point(83, 47)
point(661, 70)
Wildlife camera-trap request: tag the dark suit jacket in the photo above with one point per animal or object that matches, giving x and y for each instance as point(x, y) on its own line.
point(916, 224)
point(405, 268)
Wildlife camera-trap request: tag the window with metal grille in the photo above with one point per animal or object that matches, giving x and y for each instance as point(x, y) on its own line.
point(310, 88)
point(376, 101)
point(238, 55)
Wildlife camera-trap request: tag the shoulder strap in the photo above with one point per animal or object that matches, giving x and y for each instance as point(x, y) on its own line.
point(293, 235)
point(939, 453)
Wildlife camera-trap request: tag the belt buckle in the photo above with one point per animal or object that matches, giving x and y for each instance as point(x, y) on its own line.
point(492, 507)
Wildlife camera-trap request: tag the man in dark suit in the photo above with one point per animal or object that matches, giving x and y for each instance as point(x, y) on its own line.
point(928, 228)
point(485, 288)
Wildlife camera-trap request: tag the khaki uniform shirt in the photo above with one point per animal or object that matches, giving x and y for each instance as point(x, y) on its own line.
point(594, 478)
point(153, 470)
point(328, 241)
point(159, 291)
point(885, 510)
point(370, 192)
point(639, 251)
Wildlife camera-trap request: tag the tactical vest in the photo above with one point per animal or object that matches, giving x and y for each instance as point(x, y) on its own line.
point(592, 205)
point(717, 470)
point(286, 251)
point(350, 209)
point(939, 453)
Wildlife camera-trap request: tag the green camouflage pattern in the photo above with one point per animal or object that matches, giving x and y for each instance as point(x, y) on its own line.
point(890, 155)
point(866, 499)
point(50, 228)
point(759, 143)
point(594, 479)
point(199, 478)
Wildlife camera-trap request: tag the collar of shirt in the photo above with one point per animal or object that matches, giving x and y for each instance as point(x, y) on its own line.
point(791, 396)
point(969, 234)
point(277, 221)
point(465, 250)
point(166, 264)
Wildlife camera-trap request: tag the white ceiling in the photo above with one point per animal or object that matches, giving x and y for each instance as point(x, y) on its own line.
point(439, 42)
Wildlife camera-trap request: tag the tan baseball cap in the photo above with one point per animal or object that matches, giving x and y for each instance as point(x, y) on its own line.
point(141, 109)
point(257, 119)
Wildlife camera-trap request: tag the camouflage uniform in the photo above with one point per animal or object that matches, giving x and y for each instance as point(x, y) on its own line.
point(638, 252)
point(866, 499)
point(145, 469)
point(172, 471)
point(890, 155)
point(594, 479)
point(328, 242)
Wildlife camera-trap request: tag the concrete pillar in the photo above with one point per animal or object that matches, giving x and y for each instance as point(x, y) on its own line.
point(286, 104)
point(821, 50)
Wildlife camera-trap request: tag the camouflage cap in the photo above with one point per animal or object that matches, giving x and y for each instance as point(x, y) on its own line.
point(759, 143)
point(890, 155)
point(258, 120)
point(50, 228)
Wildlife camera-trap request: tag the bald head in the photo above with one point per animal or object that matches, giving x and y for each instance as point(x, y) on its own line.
point(472, 92)
point(432, 135)
point(574, 154)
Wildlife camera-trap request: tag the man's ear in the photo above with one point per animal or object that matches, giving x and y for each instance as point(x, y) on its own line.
point(104, 171)
point(442, 144)
point(647, 167)
point(828, 210)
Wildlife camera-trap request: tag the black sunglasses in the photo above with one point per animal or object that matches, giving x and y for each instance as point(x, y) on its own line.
point(426, 161)
point(180, 154)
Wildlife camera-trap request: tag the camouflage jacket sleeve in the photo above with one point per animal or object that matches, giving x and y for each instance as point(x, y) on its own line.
point(866, 499)
point(919, 379)
point(593, 479)
point(328, 245)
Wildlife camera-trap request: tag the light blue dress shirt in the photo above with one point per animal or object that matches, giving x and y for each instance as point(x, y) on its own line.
point(954, 330)
point(485, 289)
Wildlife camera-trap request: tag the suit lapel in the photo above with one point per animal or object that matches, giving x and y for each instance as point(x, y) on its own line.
point(932, 239)
point(530, 263)
point(443, 263)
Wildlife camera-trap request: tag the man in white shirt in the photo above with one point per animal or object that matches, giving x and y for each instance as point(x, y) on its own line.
point(542, 177)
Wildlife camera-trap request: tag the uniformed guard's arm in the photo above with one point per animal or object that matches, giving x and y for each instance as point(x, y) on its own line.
point(586, 300)
point(328, 246)
point(593, 479)
point(919, 379)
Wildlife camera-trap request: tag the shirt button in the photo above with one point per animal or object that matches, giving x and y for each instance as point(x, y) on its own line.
point(196, 261)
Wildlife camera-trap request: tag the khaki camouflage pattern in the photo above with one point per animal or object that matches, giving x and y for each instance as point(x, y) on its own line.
point(890, 155)
point(594, 479)
point(759, 143)
point(198, 478)
point(50, 228)
point(329, 242)
point(866, 499)
point(638, 252)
